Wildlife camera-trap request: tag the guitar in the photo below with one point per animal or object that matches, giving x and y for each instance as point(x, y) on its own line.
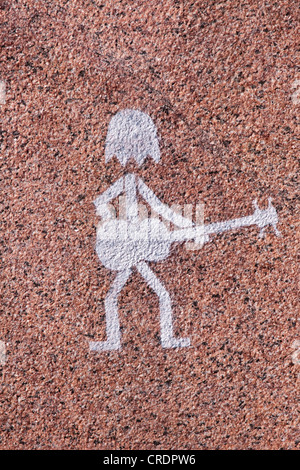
point(122, 244)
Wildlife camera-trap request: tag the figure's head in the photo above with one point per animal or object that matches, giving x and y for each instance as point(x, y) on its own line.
point(131, 133)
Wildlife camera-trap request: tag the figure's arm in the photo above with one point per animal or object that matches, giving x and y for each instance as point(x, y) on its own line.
point(102, 201)
point(161, 208)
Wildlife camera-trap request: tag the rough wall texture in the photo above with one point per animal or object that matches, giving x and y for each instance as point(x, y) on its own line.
point(220, 80)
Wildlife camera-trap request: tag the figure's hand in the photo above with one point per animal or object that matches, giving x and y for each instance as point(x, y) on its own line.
point(201, 237)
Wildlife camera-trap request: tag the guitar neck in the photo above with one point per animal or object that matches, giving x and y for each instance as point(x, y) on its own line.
point(190, 233)
point(219, 227)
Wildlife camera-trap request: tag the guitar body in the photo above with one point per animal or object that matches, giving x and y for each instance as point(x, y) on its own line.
point(121, 244)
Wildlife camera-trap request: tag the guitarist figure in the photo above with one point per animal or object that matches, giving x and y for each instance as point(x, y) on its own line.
point(126, 244)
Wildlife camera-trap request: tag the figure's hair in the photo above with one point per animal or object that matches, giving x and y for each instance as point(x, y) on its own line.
point(131, 133)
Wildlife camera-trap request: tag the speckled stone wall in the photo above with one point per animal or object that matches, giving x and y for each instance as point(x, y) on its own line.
point(221, 81)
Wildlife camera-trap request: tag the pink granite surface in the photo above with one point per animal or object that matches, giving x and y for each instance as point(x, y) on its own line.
point(220, 81)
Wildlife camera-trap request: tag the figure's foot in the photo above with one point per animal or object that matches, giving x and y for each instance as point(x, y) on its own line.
point(175, 342)
point(108, 345)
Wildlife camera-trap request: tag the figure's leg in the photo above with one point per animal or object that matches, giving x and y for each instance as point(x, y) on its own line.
point(112, 318)
point(166, 324)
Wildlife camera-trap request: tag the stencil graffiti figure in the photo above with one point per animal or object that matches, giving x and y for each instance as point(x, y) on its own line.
point(126, 244)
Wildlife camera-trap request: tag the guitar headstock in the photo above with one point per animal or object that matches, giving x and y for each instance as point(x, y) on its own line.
point(265, 217)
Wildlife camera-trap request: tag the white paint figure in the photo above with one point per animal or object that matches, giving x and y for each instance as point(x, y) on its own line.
point(126, 244)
